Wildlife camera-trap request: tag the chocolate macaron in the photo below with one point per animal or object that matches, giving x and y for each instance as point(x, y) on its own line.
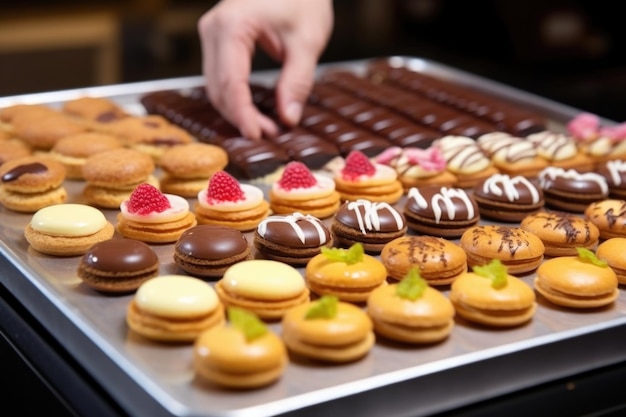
point(507, 199)
point(208, 250)
point(118, 265)
point(570, 190)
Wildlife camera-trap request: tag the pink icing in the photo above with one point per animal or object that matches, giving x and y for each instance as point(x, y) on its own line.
point(430, 159)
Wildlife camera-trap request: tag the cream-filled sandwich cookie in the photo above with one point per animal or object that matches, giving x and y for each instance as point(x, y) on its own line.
point(174, 308)
point(67, 229)
point(264, 287)
point(560, 150)
point(465, 159)
point(151, 216)
point(512, 155)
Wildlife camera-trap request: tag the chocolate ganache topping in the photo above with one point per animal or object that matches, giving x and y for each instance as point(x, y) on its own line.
point(18, 171)
point(211, 242)
point(573, 181)
point(296, 230)
point(500, 187)
point(368, 216)
point(120, 255)
point(441, 203)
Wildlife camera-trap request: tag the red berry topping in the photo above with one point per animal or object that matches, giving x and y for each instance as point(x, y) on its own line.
point(224, 187)
point(357, 164)
point(296, 175)
point(146, 199)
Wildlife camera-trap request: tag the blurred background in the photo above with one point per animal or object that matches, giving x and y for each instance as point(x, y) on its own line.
point(573, 52)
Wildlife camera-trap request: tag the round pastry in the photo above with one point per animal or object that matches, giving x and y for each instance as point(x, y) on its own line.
point(328, 330)
point(111, 176)
point(349, 274)
point(507, 199)
point(612, 252)
point(439, 261)
point(67, 229)
point(93, 111)
point(174, 308)
point(512, 155)
point(186, 168)
point(615, 174)
point(13, 149)
point(465, 159)
point(299, 190)
point(41, 129)
point(72, 151)
point(561, 233)
point(208, 250)
point(369, 223)
point(418, 167)
point(489, 295)
point(242, 354)
point(609, 216)
point(359, 178)
point(580, 281)
point(118, 265)
point(411, 311)
point(440, 211)
point(561, 151)
point(264, 287)
point(226, 202)
point(30, 183)
point(571, 190)
point(601, 143)
point(293, 239)
point(151, 216)
point(519, 250)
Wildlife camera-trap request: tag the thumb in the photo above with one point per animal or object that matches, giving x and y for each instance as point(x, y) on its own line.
point(294, 85)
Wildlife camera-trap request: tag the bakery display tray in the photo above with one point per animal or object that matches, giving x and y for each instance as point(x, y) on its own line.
point(151, 379)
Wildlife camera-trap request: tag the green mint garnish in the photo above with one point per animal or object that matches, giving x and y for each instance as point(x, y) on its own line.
point(246, 322)
point(412, 286)
point(349, 256)
point(324, 308)
point(585, 255)
point(495, 271)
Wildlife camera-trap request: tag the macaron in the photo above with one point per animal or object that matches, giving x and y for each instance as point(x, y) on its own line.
point(240, 355)
point(577, 282)
point(41, 129)
point(30, 183)
point(507, 199)
point(609, 216)
point(348, 274)
point(499, 300)
point(519, 250)
point(174, 308)
point(337, 333)
point(411, 311)
point(571, 190)
point(372, 224)
point(439, 261)
point(12, 148)
point(264, 287)
point(72, 151)
point(292, 238)
point(612, 252)
point(208, 250)
point(118, 265)
point(67, 229)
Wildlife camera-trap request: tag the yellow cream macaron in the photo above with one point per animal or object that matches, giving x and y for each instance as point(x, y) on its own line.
point(174, 308)
point(67, 229)
point(265, 287)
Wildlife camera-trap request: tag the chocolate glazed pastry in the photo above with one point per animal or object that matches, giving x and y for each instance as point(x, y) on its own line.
point(440, 211)
point(570, 190)
point(507, 199)
point(293, 239)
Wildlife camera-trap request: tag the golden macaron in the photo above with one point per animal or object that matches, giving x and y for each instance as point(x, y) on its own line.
point(612, 252)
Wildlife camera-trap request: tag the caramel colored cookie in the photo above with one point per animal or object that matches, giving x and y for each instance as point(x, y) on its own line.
point(42, 129)
point(30, 183)
point(439, 261)
point(93, 110)
point(612, 251)
point(561, 233)
point(519, 250)
point(609, 216)
point(72, 151)
point(13, 149)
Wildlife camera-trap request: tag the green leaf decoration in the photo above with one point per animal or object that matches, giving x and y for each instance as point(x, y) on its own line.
point(349, 256)
point(585, 255)
point(495, 271)
point(324, 308)
point(412, 286)
point(246, 322)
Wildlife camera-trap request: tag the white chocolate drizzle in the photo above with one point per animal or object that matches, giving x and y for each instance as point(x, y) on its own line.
point(292, 220)
point(445, 196)
point(616, 168)
point(369, 219)
point(501, 184)
point(549, 174)
point(462, 154)
point(507, 148)
point(554, 146)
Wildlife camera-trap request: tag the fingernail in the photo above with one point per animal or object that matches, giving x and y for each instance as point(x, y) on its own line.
point(293, 112)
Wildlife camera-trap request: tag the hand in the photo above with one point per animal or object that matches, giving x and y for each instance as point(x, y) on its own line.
point(294, 32)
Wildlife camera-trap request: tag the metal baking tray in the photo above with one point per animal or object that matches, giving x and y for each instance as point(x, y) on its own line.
point(150, 379)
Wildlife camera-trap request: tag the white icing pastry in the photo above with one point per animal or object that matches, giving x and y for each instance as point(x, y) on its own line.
point(263, 279)
point(68, 220)
point(554, 146)
point(463, 154)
